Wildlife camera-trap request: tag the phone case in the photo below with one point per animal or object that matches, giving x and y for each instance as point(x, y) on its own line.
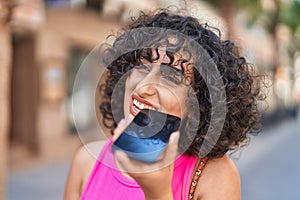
point(147, 135)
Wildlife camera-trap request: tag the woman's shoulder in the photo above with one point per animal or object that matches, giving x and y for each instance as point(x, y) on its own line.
point(86, 156)
point(89, 151)
point(219, 180)
point(82, 165)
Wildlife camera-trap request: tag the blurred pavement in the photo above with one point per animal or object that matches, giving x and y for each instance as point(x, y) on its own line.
point(270, 165)
point(44, 183)
point(269, 169)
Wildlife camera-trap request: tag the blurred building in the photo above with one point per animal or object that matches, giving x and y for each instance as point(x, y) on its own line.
point(50, 39)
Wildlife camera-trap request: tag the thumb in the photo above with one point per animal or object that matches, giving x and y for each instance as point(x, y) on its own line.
point(121, 127)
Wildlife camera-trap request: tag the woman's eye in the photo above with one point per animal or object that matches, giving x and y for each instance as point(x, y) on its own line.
point(173, 79)
point(143, 67)
point(171, 74)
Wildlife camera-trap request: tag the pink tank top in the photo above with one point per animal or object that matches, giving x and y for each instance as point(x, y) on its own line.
point(108, 183)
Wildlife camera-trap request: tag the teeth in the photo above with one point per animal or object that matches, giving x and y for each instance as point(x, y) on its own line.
point(141, 105)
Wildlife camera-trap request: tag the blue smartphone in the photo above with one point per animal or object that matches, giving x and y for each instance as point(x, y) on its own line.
point(147, 135)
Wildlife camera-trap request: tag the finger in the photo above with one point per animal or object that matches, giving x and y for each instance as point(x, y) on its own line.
point(118, 130)
point(171, 151)
point(129, 119)
point(121, 127)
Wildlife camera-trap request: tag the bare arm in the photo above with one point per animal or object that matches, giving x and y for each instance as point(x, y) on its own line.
point(75, 177)
point(81, 167)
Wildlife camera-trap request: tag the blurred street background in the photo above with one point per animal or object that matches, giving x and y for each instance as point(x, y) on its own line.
point(44, 42)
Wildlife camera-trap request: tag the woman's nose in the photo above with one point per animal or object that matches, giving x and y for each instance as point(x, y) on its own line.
point(146, 90)
point(148, 86)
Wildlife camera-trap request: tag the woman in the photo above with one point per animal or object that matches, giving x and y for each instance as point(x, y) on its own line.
point(171, 74)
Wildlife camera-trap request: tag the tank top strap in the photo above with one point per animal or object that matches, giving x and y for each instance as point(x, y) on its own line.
point(199, 168)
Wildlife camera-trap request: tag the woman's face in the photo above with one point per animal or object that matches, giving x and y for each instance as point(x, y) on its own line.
point(157, 86)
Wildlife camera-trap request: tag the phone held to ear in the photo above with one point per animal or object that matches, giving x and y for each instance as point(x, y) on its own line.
point(147, 135)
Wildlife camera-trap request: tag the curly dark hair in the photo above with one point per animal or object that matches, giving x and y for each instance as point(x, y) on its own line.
point(242, 86)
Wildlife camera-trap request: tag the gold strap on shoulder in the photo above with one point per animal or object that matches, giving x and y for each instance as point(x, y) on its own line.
point(201, 163)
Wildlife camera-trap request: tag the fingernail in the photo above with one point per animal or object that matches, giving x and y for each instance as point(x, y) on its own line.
point(130, 117)
point(121, 123)
point(175, 137)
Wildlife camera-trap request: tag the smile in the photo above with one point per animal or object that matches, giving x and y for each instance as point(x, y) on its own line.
point(136, 106)
point(141, 106)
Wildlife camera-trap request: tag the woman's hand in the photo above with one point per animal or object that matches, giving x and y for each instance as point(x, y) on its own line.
point(154, 178)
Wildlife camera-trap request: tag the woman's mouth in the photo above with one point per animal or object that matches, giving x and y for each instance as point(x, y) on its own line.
point(137, 105)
